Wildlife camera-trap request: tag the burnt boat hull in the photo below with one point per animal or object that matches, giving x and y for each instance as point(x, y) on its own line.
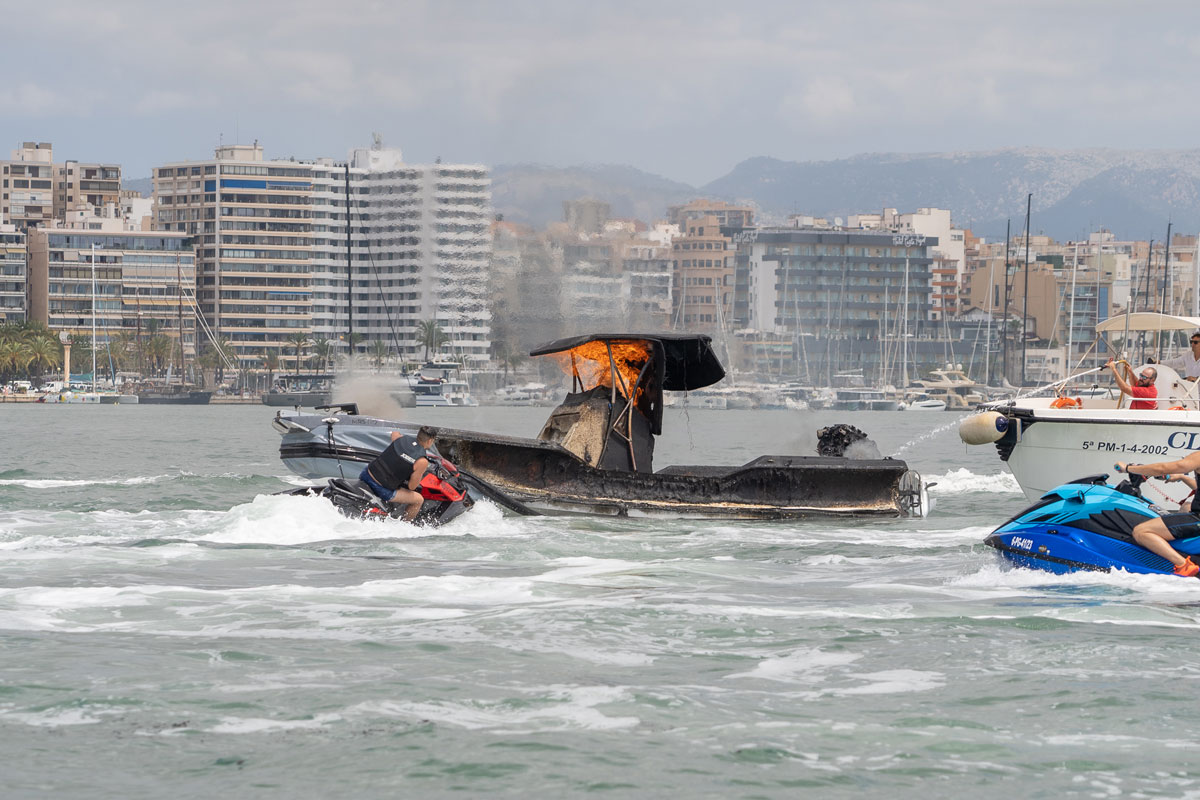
point(551, 479)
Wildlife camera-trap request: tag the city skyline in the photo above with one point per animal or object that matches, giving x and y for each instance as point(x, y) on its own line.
point(684, 91)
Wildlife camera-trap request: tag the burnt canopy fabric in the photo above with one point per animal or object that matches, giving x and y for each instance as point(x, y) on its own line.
point(687, 360)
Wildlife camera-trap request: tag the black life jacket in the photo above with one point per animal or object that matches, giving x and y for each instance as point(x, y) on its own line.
point(394, 466)
point(1195, 507)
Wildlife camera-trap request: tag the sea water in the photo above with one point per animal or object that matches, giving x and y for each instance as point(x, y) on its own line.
point(170, 628)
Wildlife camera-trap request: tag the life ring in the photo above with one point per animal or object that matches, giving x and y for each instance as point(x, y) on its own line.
point(1067, 402)
point(1176, 408)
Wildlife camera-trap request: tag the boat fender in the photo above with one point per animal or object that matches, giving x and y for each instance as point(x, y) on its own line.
point(985, 428)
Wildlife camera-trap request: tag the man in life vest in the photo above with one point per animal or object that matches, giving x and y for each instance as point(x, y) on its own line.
point(396, 473)
point(1143, 391)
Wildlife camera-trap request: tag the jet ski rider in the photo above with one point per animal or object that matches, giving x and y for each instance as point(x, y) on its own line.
point(396, 473)
point(1156, 534)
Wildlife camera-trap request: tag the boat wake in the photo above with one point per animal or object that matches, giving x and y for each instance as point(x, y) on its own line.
point(963, 481)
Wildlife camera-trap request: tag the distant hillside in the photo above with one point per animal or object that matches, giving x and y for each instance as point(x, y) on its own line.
point(1074, 191)
point(533, 194)
point(143, 185)
point(1133, 193)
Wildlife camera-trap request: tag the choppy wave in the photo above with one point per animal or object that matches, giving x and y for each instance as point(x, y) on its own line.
point(137, 480)
point(963, 481)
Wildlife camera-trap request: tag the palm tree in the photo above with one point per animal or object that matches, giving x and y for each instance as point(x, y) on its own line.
point(121, 348)
point(299, 341)
point(323, 350)
point(215, 356)
point(81, 353)
point(42, 352)
point(271, 362)
point(12, 357)
point(431, 336)
point(158, 349)
point(379, 353)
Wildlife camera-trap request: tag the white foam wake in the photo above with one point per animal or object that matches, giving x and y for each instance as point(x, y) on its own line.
point(963, 481)
point(62, 483)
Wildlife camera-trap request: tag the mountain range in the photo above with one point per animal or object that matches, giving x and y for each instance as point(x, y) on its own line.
point(1130, 192)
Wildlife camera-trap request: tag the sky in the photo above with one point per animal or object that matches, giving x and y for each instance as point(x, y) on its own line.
point(685, 90)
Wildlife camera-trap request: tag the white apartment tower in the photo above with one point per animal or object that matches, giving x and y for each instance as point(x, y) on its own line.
point(420, 248)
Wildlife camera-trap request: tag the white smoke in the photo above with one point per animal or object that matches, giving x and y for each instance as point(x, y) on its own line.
point(372, 392)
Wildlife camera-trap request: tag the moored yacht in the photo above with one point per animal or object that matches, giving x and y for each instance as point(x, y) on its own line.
point(952, 386)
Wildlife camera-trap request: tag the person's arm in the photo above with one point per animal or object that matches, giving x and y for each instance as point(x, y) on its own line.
point(1189, 463)
point(419, 467)
point(1187, 480)
point(396, 435)
point(1121, 382)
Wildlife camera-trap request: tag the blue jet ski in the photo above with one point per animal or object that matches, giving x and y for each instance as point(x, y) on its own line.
point(1085, 525)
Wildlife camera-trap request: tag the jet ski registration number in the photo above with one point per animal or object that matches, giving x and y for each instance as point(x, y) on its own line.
point(1121, 447)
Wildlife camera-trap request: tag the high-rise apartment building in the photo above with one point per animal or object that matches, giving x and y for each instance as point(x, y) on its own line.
point(251, 224)
point(12, 274)
point(836, 293)
point(420, 250)
point(271, 255)
point(27, 186)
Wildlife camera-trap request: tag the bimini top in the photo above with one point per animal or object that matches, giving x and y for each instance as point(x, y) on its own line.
point(1149, 321)
point(687, 360)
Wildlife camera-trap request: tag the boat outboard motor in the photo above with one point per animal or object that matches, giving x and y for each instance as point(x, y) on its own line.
point(1086, 525)
point(442, 486)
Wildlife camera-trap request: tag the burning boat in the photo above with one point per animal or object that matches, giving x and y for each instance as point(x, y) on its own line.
point(595, 453)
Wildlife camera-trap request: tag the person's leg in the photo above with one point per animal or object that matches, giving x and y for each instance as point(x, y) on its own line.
point(380, 491)
point(1154, 535)
point(411, 502)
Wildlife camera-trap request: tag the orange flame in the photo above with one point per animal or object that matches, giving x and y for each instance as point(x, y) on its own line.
point(594, 368)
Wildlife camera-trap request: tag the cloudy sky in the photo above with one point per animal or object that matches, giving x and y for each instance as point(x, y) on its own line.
point(682, 89)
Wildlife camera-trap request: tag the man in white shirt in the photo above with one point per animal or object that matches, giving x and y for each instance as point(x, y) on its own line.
point(1188, 364)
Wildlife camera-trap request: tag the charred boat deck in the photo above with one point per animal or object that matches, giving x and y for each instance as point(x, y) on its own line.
point(594, 455)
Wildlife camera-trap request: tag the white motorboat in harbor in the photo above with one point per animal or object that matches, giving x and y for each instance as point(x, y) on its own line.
point(437, 384)
point(864, 400)
point(1070, 432)
point(923, 402)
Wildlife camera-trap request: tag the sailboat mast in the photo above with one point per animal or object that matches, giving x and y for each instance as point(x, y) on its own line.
point(93, 318)
point(1162, 308)
point(1025, 297)
point(349, 267)
point(1071, 316)
point(182, 355)
point(1196, 279)
point(904, 361)
point(1004, 325)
